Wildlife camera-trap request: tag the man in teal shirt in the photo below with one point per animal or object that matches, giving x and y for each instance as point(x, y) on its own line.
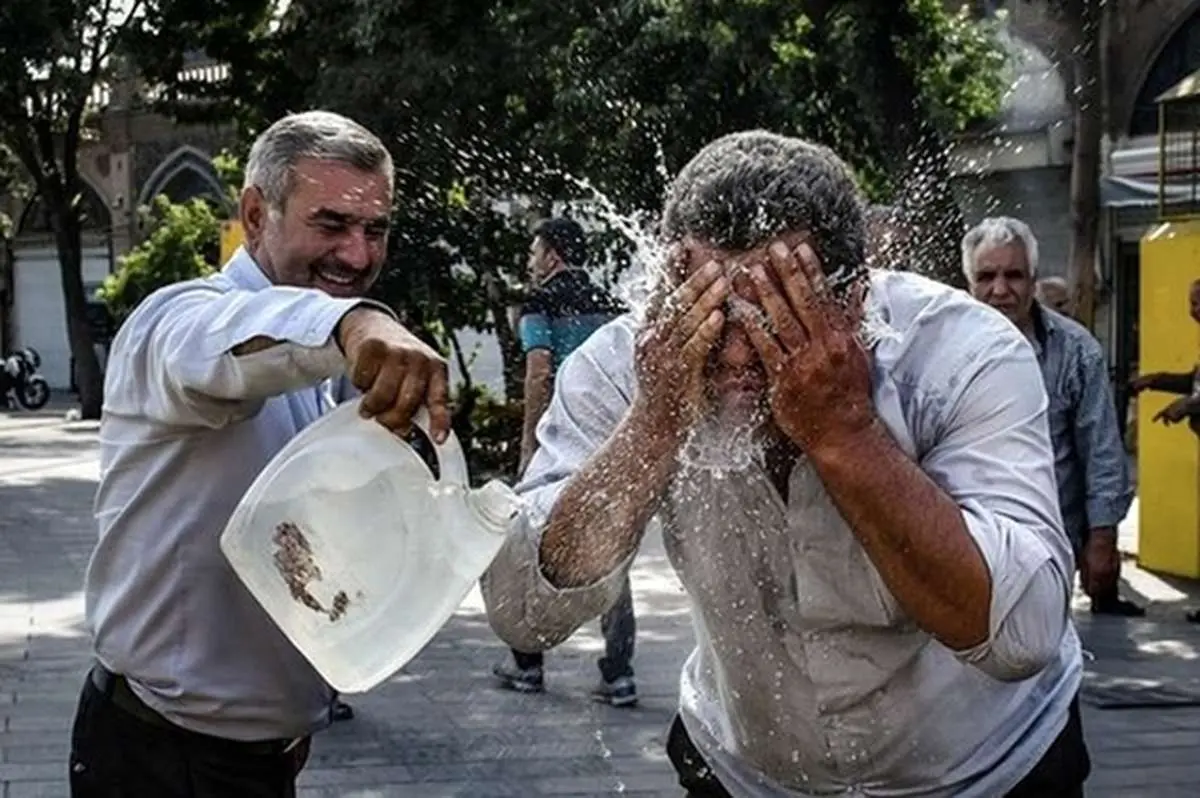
point(562, 312)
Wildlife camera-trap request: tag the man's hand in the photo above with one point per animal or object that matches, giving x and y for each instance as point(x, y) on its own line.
point(1100, 564)
point(1145, 382)
point(1175, 412)
point(681, 327)
point(396, 372)
point(820, 374)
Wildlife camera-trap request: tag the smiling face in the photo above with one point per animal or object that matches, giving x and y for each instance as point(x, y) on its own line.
point(331, 233)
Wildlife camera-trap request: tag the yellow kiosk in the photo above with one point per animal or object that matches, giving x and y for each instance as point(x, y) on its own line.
point(1169, 341)
point(232, 236)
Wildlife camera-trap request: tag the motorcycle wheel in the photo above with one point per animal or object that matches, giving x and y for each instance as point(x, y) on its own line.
point(34, 394)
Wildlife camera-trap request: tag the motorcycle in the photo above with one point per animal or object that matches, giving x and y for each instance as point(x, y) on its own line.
point(19, 378)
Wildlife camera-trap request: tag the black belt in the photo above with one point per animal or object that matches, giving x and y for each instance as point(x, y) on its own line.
point(116, 689)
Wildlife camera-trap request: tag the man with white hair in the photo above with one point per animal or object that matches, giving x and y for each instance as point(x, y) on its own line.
point(195, 693)
point(1000, 261)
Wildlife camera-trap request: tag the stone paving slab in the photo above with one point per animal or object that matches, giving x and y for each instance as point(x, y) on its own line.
point(440, 728)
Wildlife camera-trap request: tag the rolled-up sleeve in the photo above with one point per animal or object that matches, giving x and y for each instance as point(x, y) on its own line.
point(994, 458)
point(591, 396)
point(1107, 479)
point(197, 354)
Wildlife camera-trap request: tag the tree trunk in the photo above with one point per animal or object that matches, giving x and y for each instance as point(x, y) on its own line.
point(1085, 162)
point(88, 378)
point(510, 351)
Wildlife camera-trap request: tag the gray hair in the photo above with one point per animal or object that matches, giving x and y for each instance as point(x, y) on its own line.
point(744, 189)
point(998, 231)
point(320, 135)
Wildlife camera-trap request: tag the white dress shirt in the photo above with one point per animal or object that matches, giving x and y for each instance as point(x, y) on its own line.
point(808, 678)
point(187, 427)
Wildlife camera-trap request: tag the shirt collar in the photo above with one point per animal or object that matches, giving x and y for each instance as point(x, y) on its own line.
point(245, 272)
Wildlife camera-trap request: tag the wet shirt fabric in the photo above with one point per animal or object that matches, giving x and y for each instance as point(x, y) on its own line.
point(808, 678)
point(187, 427)
point(563, 312)
point(1095, 483)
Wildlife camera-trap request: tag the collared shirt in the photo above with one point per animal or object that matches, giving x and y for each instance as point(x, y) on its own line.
point(186, 428)
point(1095, 486)
point(808, 678)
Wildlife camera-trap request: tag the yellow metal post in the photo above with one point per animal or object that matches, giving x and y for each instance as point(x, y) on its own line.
point(232, 236)
point(1168, 457)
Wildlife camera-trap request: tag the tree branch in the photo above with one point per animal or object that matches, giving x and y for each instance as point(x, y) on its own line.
point(102, 56)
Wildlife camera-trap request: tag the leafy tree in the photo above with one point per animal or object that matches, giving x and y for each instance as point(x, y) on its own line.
point(492, 110)
point(10, 183)
point(184, 243)
point(484, 102)
point(56, 58)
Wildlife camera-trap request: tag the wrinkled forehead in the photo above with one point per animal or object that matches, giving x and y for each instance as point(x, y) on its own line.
point(332, 186)
point(1007, 258)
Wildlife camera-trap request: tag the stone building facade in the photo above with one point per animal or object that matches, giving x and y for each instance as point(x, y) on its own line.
point(134, 156)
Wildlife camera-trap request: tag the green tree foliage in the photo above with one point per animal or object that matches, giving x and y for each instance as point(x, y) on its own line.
point(184, 243)
point(10, 183)
point(483, 102)
point(494, 109)
point(57, 59)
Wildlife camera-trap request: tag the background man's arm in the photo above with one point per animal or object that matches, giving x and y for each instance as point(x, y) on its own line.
point(539, 387)
point(1169, 383)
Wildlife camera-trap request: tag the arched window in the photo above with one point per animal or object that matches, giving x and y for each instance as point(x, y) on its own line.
point(96, 217)
point(184, 175)
point(1178, 59)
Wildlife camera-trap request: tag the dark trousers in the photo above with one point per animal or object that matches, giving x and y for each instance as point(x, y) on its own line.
point(116, 753)
point(1060, 773)
point(620, 629)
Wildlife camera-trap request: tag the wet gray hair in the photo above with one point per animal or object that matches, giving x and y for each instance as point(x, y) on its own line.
point(320, 135)
point(744, 189)
point(998, 231)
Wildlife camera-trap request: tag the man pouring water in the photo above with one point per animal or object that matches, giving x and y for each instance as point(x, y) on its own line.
point(880, 593)
point(195, 692)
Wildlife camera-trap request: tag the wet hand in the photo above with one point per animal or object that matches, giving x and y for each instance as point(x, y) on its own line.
point(819, 372)
point(682, 325)
point(396, 371)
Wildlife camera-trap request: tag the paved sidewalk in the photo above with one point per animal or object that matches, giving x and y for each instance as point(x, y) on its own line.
point(440, 728)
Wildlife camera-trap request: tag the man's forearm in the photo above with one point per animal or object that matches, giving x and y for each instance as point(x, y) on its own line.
point(1173, 383)
point(600, 516)
point(913, 532)
point(536, 402)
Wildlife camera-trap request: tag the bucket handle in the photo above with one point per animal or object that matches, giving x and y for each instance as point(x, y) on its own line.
point(452, 463)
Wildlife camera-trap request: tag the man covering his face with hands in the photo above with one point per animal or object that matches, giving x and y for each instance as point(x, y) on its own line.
point(880, 596)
